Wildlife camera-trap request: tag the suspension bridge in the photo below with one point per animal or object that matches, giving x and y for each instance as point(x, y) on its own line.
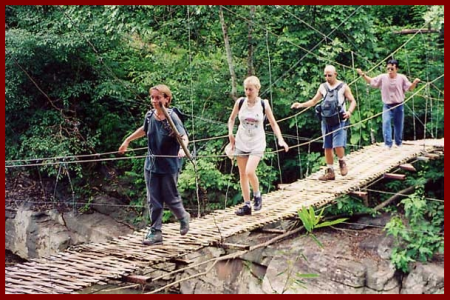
point(89, 264)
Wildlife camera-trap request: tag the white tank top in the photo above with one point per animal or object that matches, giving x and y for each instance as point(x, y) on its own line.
point(251, 136)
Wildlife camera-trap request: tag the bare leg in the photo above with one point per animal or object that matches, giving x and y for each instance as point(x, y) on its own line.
point(242, 165)
point(340, 152)
point(250, 171)
point(329, 156)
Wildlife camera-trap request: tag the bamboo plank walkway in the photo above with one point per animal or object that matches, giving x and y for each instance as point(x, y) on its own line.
point(94, 263)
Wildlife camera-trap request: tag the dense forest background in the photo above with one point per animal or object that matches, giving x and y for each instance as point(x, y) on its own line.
point(77, 80)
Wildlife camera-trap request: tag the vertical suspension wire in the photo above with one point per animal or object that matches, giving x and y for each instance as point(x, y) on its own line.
point(192, 113)
point(56, 184)
point(437, 114)
point(413, 98)
point(428, 97)
point(426, 117)
point(307, 160)
point(271, 102)
point(372, 132)
point(191, 96)
point(426, 113)
point(44, 194)
point(427, 93)
point(66, 168)
point(357, 104)
point(228, 185)
point(298, 150)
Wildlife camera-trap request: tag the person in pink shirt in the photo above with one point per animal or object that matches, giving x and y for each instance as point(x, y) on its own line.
point(393, 87)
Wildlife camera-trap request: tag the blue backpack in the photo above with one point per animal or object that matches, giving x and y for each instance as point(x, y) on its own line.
point(329, 109)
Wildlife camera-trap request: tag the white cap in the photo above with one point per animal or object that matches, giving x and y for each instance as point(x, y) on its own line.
point(229, 151)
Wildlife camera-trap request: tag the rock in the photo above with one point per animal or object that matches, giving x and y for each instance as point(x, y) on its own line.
point(33, 234)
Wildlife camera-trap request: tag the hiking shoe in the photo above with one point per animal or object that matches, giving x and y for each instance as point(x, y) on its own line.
point(184, 224)
point(257, 203)
point(244, 210)
point(329, 175)
point(343, 167)
point(153, 237)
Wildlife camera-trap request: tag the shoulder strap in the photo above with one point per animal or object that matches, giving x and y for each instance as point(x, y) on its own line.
point(241, 101)
point(151, 112)
point(148, 116)
point(180, 116)
point(335, 89)
point(338, 87)
point(170, 112)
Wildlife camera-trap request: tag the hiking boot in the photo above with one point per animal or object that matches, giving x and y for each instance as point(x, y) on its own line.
point(329, 175)
point(184, 224)
point(244, 210)
point(257, 203)
point(153, 237)
point(343, 167)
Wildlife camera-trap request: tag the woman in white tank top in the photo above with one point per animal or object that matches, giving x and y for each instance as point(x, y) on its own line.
point(250, 136)
point(250, 141)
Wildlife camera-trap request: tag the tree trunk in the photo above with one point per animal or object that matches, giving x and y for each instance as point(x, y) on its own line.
point(250, 67)
point(229, 55)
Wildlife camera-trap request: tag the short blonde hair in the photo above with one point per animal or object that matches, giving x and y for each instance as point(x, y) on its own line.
point(164, 89)
point(252, 80)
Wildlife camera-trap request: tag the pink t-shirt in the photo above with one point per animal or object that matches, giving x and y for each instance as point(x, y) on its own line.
point(392, 89)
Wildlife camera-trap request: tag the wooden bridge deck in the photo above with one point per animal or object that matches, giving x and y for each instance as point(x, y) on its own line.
point(73, 270)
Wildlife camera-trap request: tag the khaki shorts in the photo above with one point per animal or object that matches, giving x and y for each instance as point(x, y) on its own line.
point(241, 153)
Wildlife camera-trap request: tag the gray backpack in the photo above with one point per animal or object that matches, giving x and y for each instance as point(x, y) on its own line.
point(329, 109)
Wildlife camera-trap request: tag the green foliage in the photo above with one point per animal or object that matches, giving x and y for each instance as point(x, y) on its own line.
point(268, 171)
point(419, 236)
point(208, 177)
point(133, 181)
point(77, 79)
point(312, 221)
point(167, 216)
point(86, 207)
point(434, 17)
point(313, 162)
point(348, 205)
point(211, 179)
point(396, 14)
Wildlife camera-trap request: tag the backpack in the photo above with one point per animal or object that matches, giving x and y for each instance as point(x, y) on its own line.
point(241, 101)
point(329, 109)
point(175, 110)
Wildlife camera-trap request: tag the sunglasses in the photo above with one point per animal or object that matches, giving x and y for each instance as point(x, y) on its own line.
point(328, 75)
